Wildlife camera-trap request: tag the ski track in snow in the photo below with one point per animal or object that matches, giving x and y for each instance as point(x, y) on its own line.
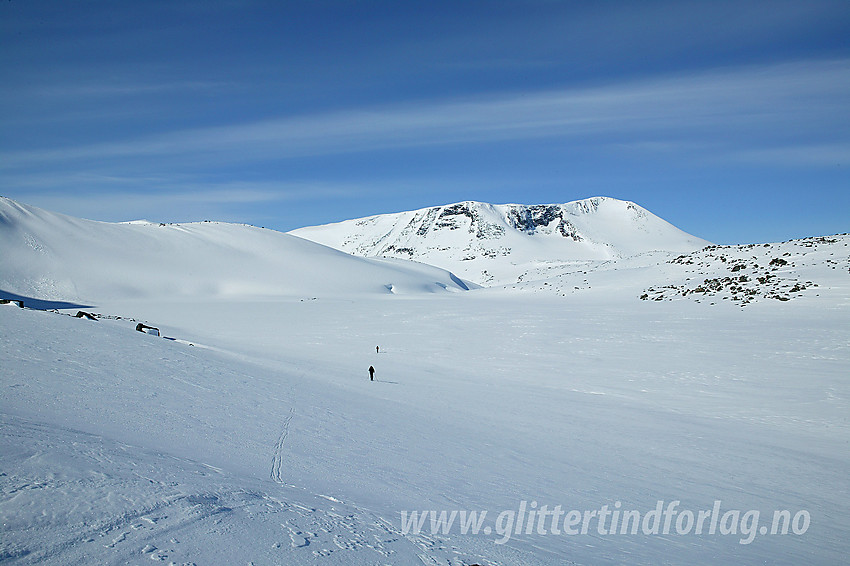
point(123, 504)
point(277, 457)
point(69, 497)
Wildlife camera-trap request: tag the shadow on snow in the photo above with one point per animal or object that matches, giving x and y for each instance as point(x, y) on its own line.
point(40, 304)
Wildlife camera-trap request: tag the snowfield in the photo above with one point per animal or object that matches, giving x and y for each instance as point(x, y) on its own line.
point(249, 432)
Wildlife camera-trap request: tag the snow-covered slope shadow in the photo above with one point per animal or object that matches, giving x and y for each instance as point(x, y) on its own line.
point(40, 304)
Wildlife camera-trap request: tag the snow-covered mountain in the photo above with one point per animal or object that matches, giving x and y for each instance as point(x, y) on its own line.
point(249, 430)
point(498, 244)
point(53, 256)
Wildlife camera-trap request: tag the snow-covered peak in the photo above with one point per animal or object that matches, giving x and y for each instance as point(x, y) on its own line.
point(502, 243)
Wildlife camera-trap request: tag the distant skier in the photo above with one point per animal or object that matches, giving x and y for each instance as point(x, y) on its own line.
point(377, 349)
point(371, 373)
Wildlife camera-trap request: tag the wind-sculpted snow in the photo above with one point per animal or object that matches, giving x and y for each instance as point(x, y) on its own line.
point(498, 244)
point(74, 498)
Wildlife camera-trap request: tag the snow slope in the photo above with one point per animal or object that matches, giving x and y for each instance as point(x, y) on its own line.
point(498, 244)
point(253, 434)
point(49, 255)
point(118, 447)
point(270, 445)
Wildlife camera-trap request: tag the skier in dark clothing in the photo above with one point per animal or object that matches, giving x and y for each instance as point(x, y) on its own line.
point(371, 373)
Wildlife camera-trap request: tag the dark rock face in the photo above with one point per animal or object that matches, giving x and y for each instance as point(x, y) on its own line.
point(451, 218)
point(530, 218)
point(524, 218)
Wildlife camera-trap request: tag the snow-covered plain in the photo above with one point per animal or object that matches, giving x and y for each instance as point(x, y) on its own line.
point(255, 435)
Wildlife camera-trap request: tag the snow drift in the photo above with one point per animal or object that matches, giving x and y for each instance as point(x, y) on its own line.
point(53, 256)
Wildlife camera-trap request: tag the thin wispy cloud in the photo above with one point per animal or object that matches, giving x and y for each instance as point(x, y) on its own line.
point(824, 155)
point(124, 88)
point(403, 105)
point(173, 200)
point(749, 102)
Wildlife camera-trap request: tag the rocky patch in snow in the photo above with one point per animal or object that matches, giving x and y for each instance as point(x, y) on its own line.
point(744, 273)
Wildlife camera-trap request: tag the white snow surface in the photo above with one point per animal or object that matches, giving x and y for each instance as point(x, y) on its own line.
point(249, 432)
point(50, 255)
point(494, 244)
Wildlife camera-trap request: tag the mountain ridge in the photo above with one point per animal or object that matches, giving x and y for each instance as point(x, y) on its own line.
point(493, 244)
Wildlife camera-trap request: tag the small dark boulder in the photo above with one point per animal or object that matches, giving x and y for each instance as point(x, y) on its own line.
point(147, 329)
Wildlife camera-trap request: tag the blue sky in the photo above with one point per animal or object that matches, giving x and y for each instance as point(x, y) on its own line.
point(729, 119)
